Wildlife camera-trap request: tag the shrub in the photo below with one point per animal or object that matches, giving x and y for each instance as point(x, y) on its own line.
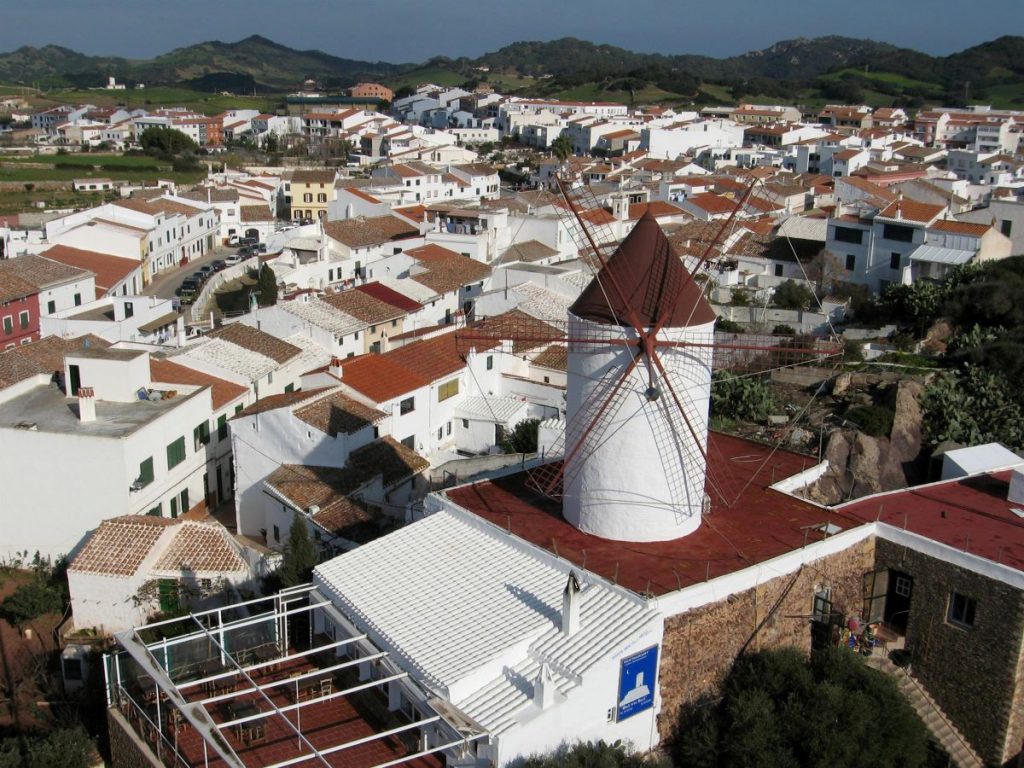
point(740, 298)
point(31, 600)
point(872, 420)
point(741, 398)
point(522, 438)
point(728, 326)
point(784, 330)
point(792, 295)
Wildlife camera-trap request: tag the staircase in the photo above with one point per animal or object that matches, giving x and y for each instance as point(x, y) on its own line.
point(942, 731)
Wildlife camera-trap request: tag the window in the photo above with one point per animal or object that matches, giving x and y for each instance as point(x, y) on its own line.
point(23, 320)
point(129, 310)
point(490, 362)
point(851, 262)
point(440, 432)
point(174, 506)
point(778, 270)
point(1006, 227)
point(407, 406)
point(146, 472)
point(277, 534)
point(449, 429)
point(448, 389)
point(898, 232)
point(8, 324)
point(222, 426)
point(51, 307)
point(201, 435)
point(894, 260)
point(961, 610)
point(183, 498)
point(238, 409)
point(290, 388)
point(821, 608)
point(156, 511)
point(849, 235)
point(176, 453)
point(308, 197)
point(410, 442)
point(78, 299)
point(321, 198)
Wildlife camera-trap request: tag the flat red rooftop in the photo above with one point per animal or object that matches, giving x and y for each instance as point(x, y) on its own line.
point(758, 525)
point(972, 515)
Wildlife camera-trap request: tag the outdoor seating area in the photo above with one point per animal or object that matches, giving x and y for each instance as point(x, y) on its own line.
point(267, 690)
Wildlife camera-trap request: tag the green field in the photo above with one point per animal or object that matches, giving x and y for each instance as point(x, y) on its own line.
point(594, 92)
point(888, 78)
point(160, 96)
point(88, 160)
point(70, 174)
point(720, 93)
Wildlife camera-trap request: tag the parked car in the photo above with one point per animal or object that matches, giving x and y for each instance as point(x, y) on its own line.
point(248, 241)
point(199, 277)
point(233, 259)
point(261, 247)
point(219, 264)
point(207, 270)
point(233, 240)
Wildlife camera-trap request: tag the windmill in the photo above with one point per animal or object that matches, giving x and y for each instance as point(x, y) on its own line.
point(642, 349)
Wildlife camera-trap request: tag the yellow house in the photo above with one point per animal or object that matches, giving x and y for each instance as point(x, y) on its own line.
point(311, 191)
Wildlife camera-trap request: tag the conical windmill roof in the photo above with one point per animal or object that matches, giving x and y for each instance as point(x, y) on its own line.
point(652, 280)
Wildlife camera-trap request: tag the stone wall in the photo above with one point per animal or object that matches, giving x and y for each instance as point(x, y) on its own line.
point(973, 674)
point(701, 645)
point(126, 749)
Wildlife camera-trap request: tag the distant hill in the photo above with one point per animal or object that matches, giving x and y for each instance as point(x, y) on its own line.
point(832, 67)
point(254, 63)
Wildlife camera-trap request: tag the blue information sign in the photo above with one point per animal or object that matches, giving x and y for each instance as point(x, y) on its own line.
point(637, 674)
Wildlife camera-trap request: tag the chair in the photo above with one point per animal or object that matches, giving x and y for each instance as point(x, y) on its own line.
point(325, 686)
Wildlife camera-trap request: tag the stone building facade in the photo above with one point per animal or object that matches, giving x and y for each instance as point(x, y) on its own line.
point(968, 658)
point(700, 645)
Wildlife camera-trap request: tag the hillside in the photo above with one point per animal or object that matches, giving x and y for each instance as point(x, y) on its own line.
point(254, 63)
point(824, 68)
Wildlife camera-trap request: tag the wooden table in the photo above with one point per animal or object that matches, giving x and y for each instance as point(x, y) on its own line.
point(251, 730)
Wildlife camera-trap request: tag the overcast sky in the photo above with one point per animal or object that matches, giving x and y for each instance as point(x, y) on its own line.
point(415, 30)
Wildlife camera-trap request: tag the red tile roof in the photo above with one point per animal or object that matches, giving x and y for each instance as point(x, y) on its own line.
point(389, 296)
point(221, 392)
point(362, 232)
point(364, 306)
point(109, 270)
point(911, 210)
point(757, 525)
point(44, 357)
point(284, 400)
point(657, 208)
point(255, 340)
point(713, 203)
point(961, 227)
point(13, 287)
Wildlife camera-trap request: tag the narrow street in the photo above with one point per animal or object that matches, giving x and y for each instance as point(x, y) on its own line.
point(166, 283)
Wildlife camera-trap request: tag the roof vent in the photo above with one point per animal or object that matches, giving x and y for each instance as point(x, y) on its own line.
point(335, 368)
point(1016, 494)
point(571, 605)
point(86, 404)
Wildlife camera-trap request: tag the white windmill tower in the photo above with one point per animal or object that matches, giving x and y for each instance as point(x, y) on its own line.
point(642, 476)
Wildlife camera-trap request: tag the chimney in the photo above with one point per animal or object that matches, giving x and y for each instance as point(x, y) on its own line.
point(1016, 493)
point(571, 605)
point(899, 205)
point(335, 367)
point(86, 404)
point(544, 688)
point(179, 327)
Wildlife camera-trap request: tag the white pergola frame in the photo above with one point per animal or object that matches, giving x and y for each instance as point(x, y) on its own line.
point(146, 655)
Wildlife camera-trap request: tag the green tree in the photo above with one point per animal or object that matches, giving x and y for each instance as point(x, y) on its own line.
point(165, 141)
point(783, 330)
point(778, 708)
point(973, 405)
point(522, 438)
point(591, 754)
point(60, 747)
point(267, 286)
point(562, 147)
point(299, 556)
point(790, 294)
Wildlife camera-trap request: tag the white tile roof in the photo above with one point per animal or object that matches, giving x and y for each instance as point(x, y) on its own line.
point(495, 409)
point(323, 315)
point(312, 356)
point(938, 255)
point(231, 357)
point(542, 303)
point(409, 287)
point(472, 611)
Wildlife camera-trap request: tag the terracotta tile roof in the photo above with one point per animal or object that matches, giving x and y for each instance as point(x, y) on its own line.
point(255, 340)
point(109, 270)
point(328, 488)
point(447, 270)
point(597, 216)
point(911, 210)
point(475, 169)
point(363, 306)
point(524, 331)
point(339, 414)
point(555, 357)
point(284, 400)
point(657, 208)
point(157, 205)
point(868, 188)
point(119, 546)
point(389, 296)
point(352, 520)
point(313, 176)
point(362, 195)
point(380, 378)
point(221, 392)
point(212, 195)
point(388, 458)
point(42, 272)
point(200, 548)
point(361, 232)
point(13, 287)
point(961, 227)
point(255, 213)
point(527, 251)
point(44, 357)
point(712, 203)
